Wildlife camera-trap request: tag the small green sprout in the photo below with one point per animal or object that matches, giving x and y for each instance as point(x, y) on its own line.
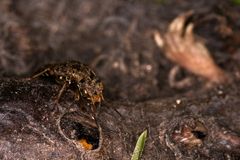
point(139, 146)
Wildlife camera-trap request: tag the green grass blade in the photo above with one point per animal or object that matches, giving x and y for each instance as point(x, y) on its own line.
point(139, 146)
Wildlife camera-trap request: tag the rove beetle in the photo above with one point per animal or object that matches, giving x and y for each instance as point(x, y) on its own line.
point(78, 75)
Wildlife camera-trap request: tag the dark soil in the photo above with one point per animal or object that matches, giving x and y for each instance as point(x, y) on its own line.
point(115, 38)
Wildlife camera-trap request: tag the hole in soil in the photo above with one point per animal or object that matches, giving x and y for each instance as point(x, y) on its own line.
point(199, 134)
point(82, 129)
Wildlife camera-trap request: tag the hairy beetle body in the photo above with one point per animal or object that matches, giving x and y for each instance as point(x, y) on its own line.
point(75, 74)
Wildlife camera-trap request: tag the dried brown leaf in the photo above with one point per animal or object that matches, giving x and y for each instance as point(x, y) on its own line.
point(181, 46)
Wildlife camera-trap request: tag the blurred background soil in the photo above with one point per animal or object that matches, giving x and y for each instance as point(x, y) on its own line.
point(115, 38)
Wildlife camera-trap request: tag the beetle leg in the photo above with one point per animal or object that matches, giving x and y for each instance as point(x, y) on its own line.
point(61, 92)
point(94, 109)
point(39, 74)
point(77, 94)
